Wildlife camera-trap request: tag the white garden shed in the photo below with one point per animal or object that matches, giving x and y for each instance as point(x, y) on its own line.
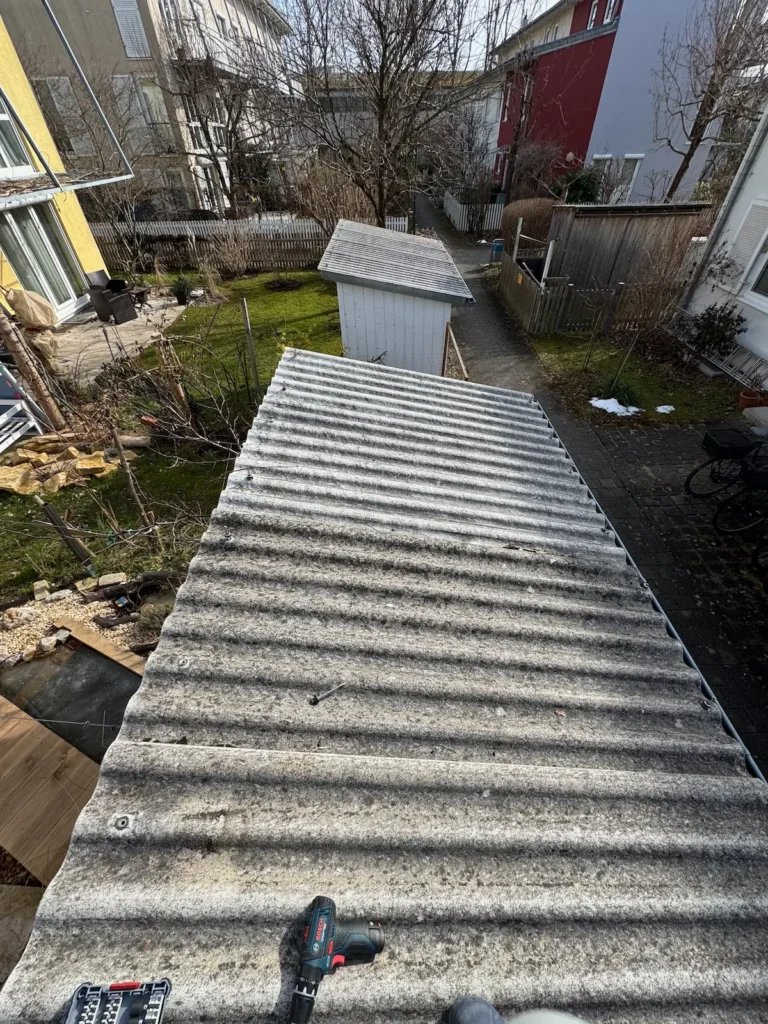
point(395, 295)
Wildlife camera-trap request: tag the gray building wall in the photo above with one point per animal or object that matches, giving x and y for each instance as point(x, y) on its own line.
point(624, 124)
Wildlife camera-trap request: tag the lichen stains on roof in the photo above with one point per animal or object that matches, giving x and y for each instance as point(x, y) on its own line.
point(374, 257)
point(520, 776)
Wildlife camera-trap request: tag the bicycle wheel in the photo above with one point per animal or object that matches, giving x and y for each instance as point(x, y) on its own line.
point(713, 477)
point(742, 512)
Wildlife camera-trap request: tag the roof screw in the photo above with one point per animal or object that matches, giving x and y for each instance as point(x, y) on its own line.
point(183, 662)
point(122, 822)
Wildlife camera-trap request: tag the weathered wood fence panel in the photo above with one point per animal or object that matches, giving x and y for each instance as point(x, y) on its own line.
point(274, 242)
point(519, 290)
point(602, 245)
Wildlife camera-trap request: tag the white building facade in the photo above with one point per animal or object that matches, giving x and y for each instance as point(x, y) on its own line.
point(735, 264)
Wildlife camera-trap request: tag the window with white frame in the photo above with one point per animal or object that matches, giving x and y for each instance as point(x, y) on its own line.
point(627, 176)
point(131, 29)
point(746, 257)
point(144, 115)
point(40, 255)
point(221, 24)
point(761, 281)
point(593, 14)
point(15, 161)
point(610, 11)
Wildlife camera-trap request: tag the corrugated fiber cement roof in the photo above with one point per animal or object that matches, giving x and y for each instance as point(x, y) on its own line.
point(393, 261)
point(521, 777)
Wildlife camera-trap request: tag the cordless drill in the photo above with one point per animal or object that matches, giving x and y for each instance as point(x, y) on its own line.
point(327, 945)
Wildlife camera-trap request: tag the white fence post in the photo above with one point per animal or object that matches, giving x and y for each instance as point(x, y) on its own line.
point(518, 232)
point(547, 263)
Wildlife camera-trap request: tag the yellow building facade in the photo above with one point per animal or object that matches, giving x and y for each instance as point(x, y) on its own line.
point(46, 244)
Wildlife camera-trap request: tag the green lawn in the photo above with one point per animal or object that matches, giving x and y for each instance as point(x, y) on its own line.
point(307, 318)
point(31, 550)
point(213, 338)
point(696, 398)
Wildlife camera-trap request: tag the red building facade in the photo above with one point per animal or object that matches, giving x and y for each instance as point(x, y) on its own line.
point(552, 91)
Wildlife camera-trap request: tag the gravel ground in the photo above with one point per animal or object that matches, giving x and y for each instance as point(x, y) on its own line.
point(15, 641)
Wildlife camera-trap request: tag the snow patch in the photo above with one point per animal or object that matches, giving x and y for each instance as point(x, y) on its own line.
point(665, 408)
point(612, 405)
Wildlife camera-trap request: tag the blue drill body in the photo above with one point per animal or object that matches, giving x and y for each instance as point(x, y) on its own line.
point(327, 945)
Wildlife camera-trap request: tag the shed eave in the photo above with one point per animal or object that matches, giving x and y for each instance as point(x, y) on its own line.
point(384, 286)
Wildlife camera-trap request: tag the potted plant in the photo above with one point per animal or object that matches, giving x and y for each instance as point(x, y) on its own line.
point(181, 286)
point(749, 398)
point(753, 395)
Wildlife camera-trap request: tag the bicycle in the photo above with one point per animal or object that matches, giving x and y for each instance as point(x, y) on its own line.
point(747, 509)
point(727, 449)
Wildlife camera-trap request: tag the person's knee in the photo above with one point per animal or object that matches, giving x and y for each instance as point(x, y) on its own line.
point(473, 1010)
point(545, 1017)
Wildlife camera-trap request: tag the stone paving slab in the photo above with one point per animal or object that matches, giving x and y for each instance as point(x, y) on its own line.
point(637, 473)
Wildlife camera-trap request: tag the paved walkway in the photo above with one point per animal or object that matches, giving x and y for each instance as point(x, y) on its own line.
point(637, 473)
point(84, 349)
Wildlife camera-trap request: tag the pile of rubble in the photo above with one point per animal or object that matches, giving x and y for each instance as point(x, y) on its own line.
point(51, 461)
point(125, 611)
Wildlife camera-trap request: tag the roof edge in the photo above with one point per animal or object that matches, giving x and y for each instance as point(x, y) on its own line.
point(452, 298)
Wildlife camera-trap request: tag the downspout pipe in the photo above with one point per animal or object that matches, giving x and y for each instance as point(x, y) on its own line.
point(87, 86)
point(734, 192)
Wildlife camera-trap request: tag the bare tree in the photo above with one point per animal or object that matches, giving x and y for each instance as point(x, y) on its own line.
point(377, 77)
point(714, 71)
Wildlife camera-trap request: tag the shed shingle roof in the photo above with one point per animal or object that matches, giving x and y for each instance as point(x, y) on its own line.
point(521, 777)
point(393, 261)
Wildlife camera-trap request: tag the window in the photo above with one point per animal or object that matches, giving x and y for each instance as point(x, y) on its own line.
point(761, 284)
point(171, 17)
point(40, 255)
point(627, 177)
point(593, 14)
point(15, 161)
point(221, 24)
point(748, 243)
point(507, 103)
point(65, 120)
point(144, 115)
point(610, 11)
point(131, 29)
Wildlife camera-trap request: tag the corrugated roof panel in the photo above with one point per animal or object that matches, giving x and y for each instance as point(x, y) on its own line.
point(393, 261)
point(520, 776)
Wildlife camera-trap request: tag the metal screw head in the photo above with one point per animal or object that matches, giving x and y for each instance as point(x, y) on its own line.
point(122, 822)
point(183, 662)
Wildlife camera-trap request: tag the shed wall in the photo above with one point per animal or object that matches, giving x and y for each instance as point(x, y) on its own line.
point(399, 330)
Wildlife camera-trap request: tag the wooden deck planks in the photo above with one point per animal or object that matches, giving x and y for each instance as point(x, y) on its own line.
point(44, 784)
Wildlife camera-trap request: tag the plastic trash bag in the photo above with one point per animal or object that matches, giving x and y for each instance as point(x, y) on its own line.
point(31, 309)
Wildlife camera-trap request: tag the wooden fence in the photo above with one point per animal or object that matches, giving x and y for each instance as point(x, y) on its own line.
point(459, 215)
point(560, 307)
point(520, 291)
point(271, 242)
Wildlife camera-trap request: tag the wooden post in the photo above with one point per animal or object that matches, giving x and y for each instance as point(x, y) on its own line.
point(30, 373)
point(251, 346)
point(146, 517)
point(547, 264)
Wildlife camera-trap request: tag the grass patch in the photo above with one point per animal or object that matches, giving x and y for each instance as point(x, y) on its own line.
point(307, 318)
point(696, 398)
point(30, 549)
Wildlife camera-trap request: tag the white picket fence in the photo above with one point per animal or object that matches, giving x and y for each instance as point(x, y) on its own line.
point(270, 242)
point(458, 215)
